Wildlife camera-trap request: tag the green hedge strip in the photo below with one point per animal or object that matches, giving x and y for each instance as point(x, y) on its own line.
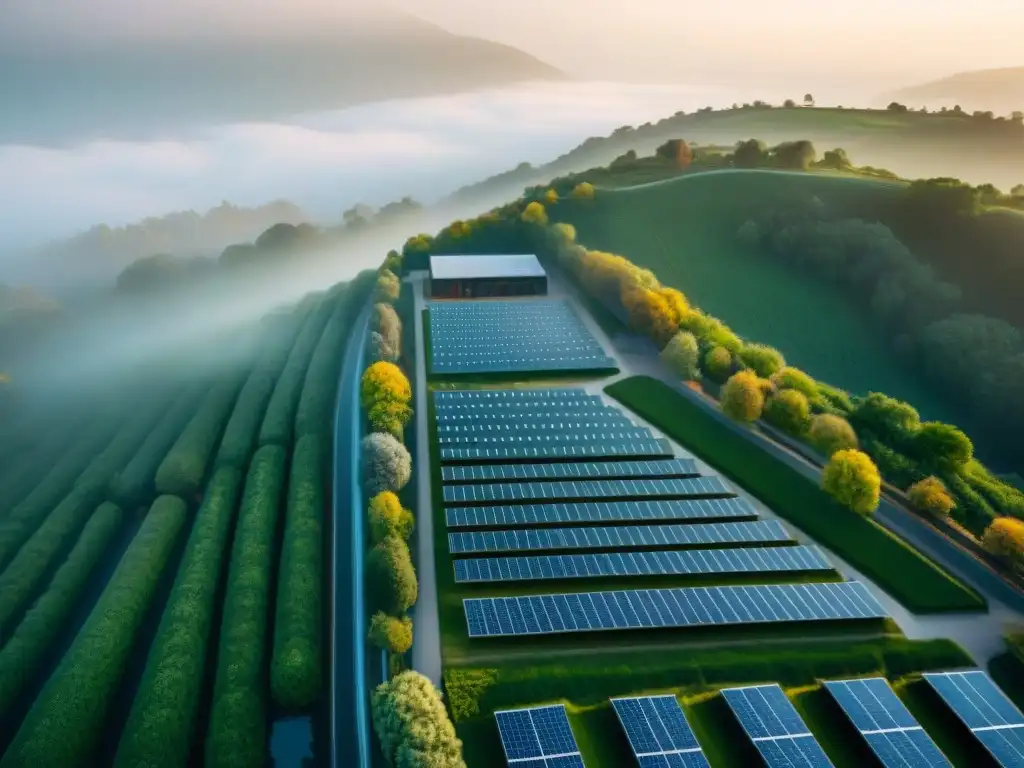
point(184, 468)
point(66, 721)
point(313, 416)
point(296, 668)
point(35, 635)
point(279, 420)
point(159, 730)
point(237, 734)
point(898, 568)
point(132, 487)
point(25, 518)
point(28, 471)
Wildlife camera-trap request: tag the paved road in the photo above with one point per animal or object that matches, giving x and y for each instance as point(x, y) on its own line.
point(350, 716)
point(426, 647)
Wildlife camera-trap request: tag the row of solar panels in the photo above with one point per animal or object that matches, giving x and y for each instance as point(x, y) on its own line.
point(639, 449)
point(660, 736)
point(570, 490)
point(608, 470)
point(593, 436)
point(666, 563)
point(673, 608)
point(535, 424)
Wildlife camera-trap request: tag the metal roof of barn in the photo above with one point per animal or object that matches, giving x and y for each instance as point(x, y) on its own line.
point(476, 267)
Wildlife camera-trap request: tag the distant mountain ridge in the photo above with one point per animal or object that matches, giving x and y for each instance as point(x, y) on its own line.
point(994, 89)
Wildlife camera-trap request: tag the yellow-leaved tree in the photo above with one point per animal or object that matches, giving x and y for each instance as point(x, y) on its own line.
point(385, 394)
point(931, 497)
point(1004, 538)
point(534, 213)
point(852, 479)
point(742, 397)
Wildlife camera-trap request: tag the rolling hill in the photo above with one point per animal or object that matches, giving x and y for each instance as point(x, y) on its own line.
point(994, 89)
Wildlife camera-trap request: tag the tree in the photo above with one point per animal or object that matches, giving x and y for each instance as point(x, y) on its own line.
point(388, 287)
point(534, 213)
point(387, 517)
point(743, 397)
point(1004, 538)
point(386, 322)
point(676, 151)
point(653, 312)
point(808, 100)
point(788, 377)
point(718, 364)
point(387, 465)
point(830, 434)
point(789, 104)
point(798, 155)
point(412, 724)
point(390, 634)
point(890, 419)
point(583, 191)
point(942, 445)
point(895, 106)
point(682, 356)
point(852, 479)
point(550, 197)
point(749, 154)
point(788, 410)
point(385, 394)
point(764, 360)
point(1018, 191)
point(391, 577)
point(836, 159)
point(931, 497)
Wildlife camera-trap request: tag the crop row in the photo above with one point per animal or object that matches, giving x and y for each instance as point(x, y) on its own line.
point(237, 734)
point(296, 668)
point(36, 460)
point(163, 716)
point(35, 635)
point(64, 724)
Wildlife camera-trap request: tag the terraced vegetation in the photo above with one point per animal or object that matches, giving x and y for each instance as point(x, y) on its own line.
point(151, 473)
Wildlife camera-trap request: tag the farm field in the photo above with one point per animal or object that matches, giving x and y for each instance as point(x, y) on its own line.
point(157, 567)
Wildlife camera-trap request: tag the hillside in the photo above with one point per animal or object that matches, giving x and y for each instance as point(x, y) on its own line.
point(996, 89)
point(155, 86)
point(913, 144)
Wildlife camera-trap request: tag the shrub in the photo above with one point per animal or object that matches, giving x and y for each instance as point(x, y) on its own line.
point(465, 687)
point(718, 364)
point(1004, 538)
point(852, 479)
point(653, 312)
point(79, 694)
point(391, 634)
point(388, 287)
point(829, 434)
point(763, 360)
point(391, 576)
point(682, 356)
point(583, 191)
point(931, 497)
point(48, 618)
point(163, 716)
point(534, 213)
point(412, 724)
point(788, 377)
point(385, 394)
point(184, 468)
point(942, 445)
point(675, 151)
point(743, 397)
point(387, 465)
point(387, 517)
point(893, 421)
point(550, 197)
point(788, 410)
point(295, 668)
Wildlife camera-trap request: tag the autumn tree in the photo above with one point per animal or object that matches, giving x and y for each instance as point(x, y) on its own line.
point(743, 397)
point(388, 287)
point(387, 517)
point(653, 312)
point(1004, 538)
point(385, 394)
point(852, 479)
point(534, 213)
point(682, 356)
point(931, 497)
point(718, 364)
point(676, 151)
point(389, 633)
point(583, 191)
point(550, 197)
point(829, 434)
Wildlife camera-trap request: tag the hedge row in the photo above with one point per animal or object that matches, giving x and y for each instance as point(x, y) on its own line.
point(313, 416)
point(279, 420)
point(237, 733)
point(184, 468)
point(25, 518)
point(28, 472)
point(133, 485)
point(66, 721)
point(163, 717)
point(35, 635)
point(296, 668)
point(23, 577)
point(899, 569)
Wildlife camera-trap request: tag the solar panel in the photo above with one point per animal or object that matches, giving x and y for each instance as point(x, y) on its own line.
point(526, 453)
point(658, 732)
point(535, 439)
point(772, 723)
point(689, 562)
point(478, 431)
point(520, 415)
point(511, 335)
point(538, 737)
point(523, 395)
point(616, 537)
point(669, 608)
point(892, 733)
point(617, 470)
point(578, 490)
point(985, 710)
point(640, 511)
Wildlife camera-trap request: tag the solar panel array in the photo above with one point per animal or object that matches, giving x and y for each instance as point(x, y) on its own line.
point(689, 562)
point(772, 723)
point(540, 439)
point(985, 710)
point(669, 608)
point(658, 732)
point(617, 537)
point(511, 335)
point(599, 512)
point(697, 487)
point(896, 738)
point(538, 737)
point(621, 470)
point(637, 449)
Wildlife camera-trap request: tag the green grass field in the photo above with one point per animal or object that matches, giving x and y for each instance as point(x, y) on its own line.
point(684, 229)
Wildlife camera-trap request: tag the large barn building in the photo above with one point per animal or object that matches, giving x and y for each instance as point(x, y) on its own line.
point(474, 277)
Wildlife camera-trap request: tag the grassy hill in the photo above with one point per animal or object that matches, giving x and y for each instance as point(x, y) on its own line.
point(1001, 88)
